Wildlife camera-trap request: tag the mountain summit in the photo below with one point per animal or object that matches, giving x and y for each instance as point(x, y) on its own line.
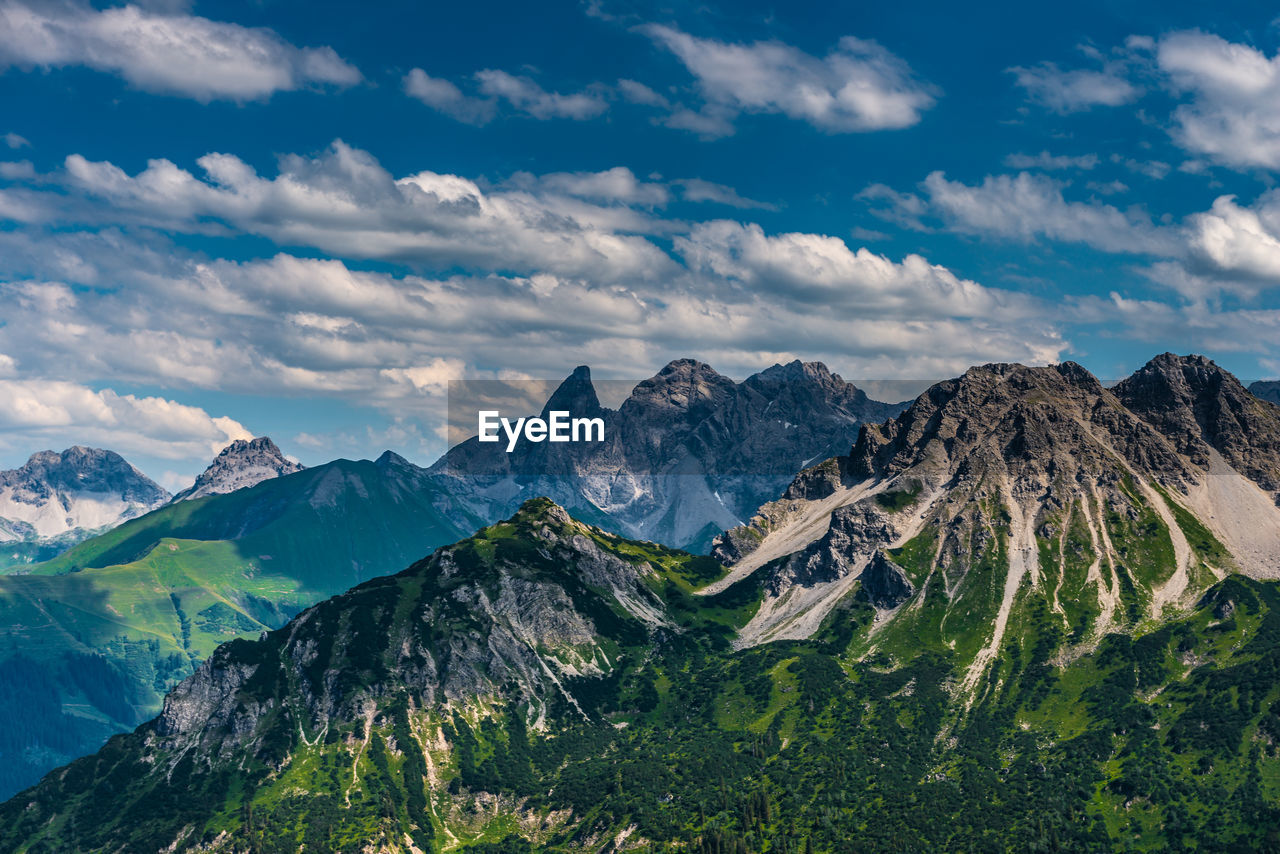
point(1013, 490)
point(241, 464)
point(58, 498)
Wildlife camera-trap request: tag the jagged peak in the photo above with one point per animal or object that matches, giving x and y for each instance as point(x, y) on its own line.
point(84, 468)
point(240, 447)
point(1006, 410)
point(1188, 374)
point(684, 384)
point(241, 464)
point(797, 371)
point(390, 458)
point(576, 394)
point(1204, 409)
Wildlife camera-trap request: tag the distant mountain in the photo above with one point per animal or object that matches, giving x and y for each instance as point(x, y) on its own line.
point(96, 636)
point(1268, 390)
point(58, 499)
point(547, 686)
point(241, 464)
point(689, 453)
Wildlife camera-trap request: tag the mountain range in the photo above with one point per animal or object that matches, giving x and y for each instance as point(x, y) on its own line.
point(142, 604)
point(1027, 612)
point(689, 453)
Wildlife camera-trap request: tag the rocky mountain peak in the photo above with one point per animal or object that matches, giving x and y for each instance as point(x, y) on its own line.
point(1017, 418)
point(63, 496)
point(1205, 411)
point(575, 395)
point(808, 375)
point(390, 459)
point(82, 469)
point(683, 386)
point(241, 464)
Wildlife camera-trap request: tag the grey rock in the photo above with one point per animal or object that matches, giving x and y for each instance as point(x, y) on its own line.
point(884, 583)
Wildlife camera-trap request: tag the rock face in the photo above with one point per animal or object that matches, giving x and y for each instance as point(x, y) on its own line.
point(61, 498)
point(241, 464)
point(884, 583)
point(689, 453)
point(509, 615)
point(1202, 409)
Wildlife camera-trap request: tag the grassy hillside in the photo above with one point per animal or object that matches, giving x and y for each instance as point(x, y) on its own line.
point(140, 606)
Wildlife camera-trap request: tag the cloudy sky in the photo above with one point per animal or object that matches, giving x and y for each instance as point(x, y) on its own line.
point(291, 218)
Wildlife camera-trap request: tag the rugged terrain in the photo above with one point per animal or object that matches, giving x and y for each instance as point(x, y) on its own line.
point(1011, 489)
point(96, 636)
point(58, 499)
point(142, 604)
point(545, 685)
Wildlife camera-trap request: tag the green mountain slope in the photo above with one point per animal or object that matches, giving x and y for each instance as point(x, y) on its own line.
point(546, 686)
point(103, 631)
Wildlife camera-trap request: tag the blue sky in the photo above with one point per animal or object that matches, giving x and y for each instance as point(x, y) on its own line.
point(304, 219)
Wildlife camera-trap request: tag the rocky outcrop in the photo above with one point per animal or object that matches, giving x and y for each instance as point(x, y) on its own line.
point(856, 532)
point(241, 464)
point(884, 583)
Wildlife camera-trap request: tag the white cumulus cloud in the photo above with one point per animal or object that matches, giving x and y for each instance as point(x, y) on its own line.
point(344, 202)
point(1233, 116)
point(177, 54)
point(58, 413)
point(858, 86)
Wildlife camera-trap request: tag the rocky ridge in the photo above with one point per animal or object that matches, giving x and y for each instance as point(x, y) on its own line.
point(1010, 489)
